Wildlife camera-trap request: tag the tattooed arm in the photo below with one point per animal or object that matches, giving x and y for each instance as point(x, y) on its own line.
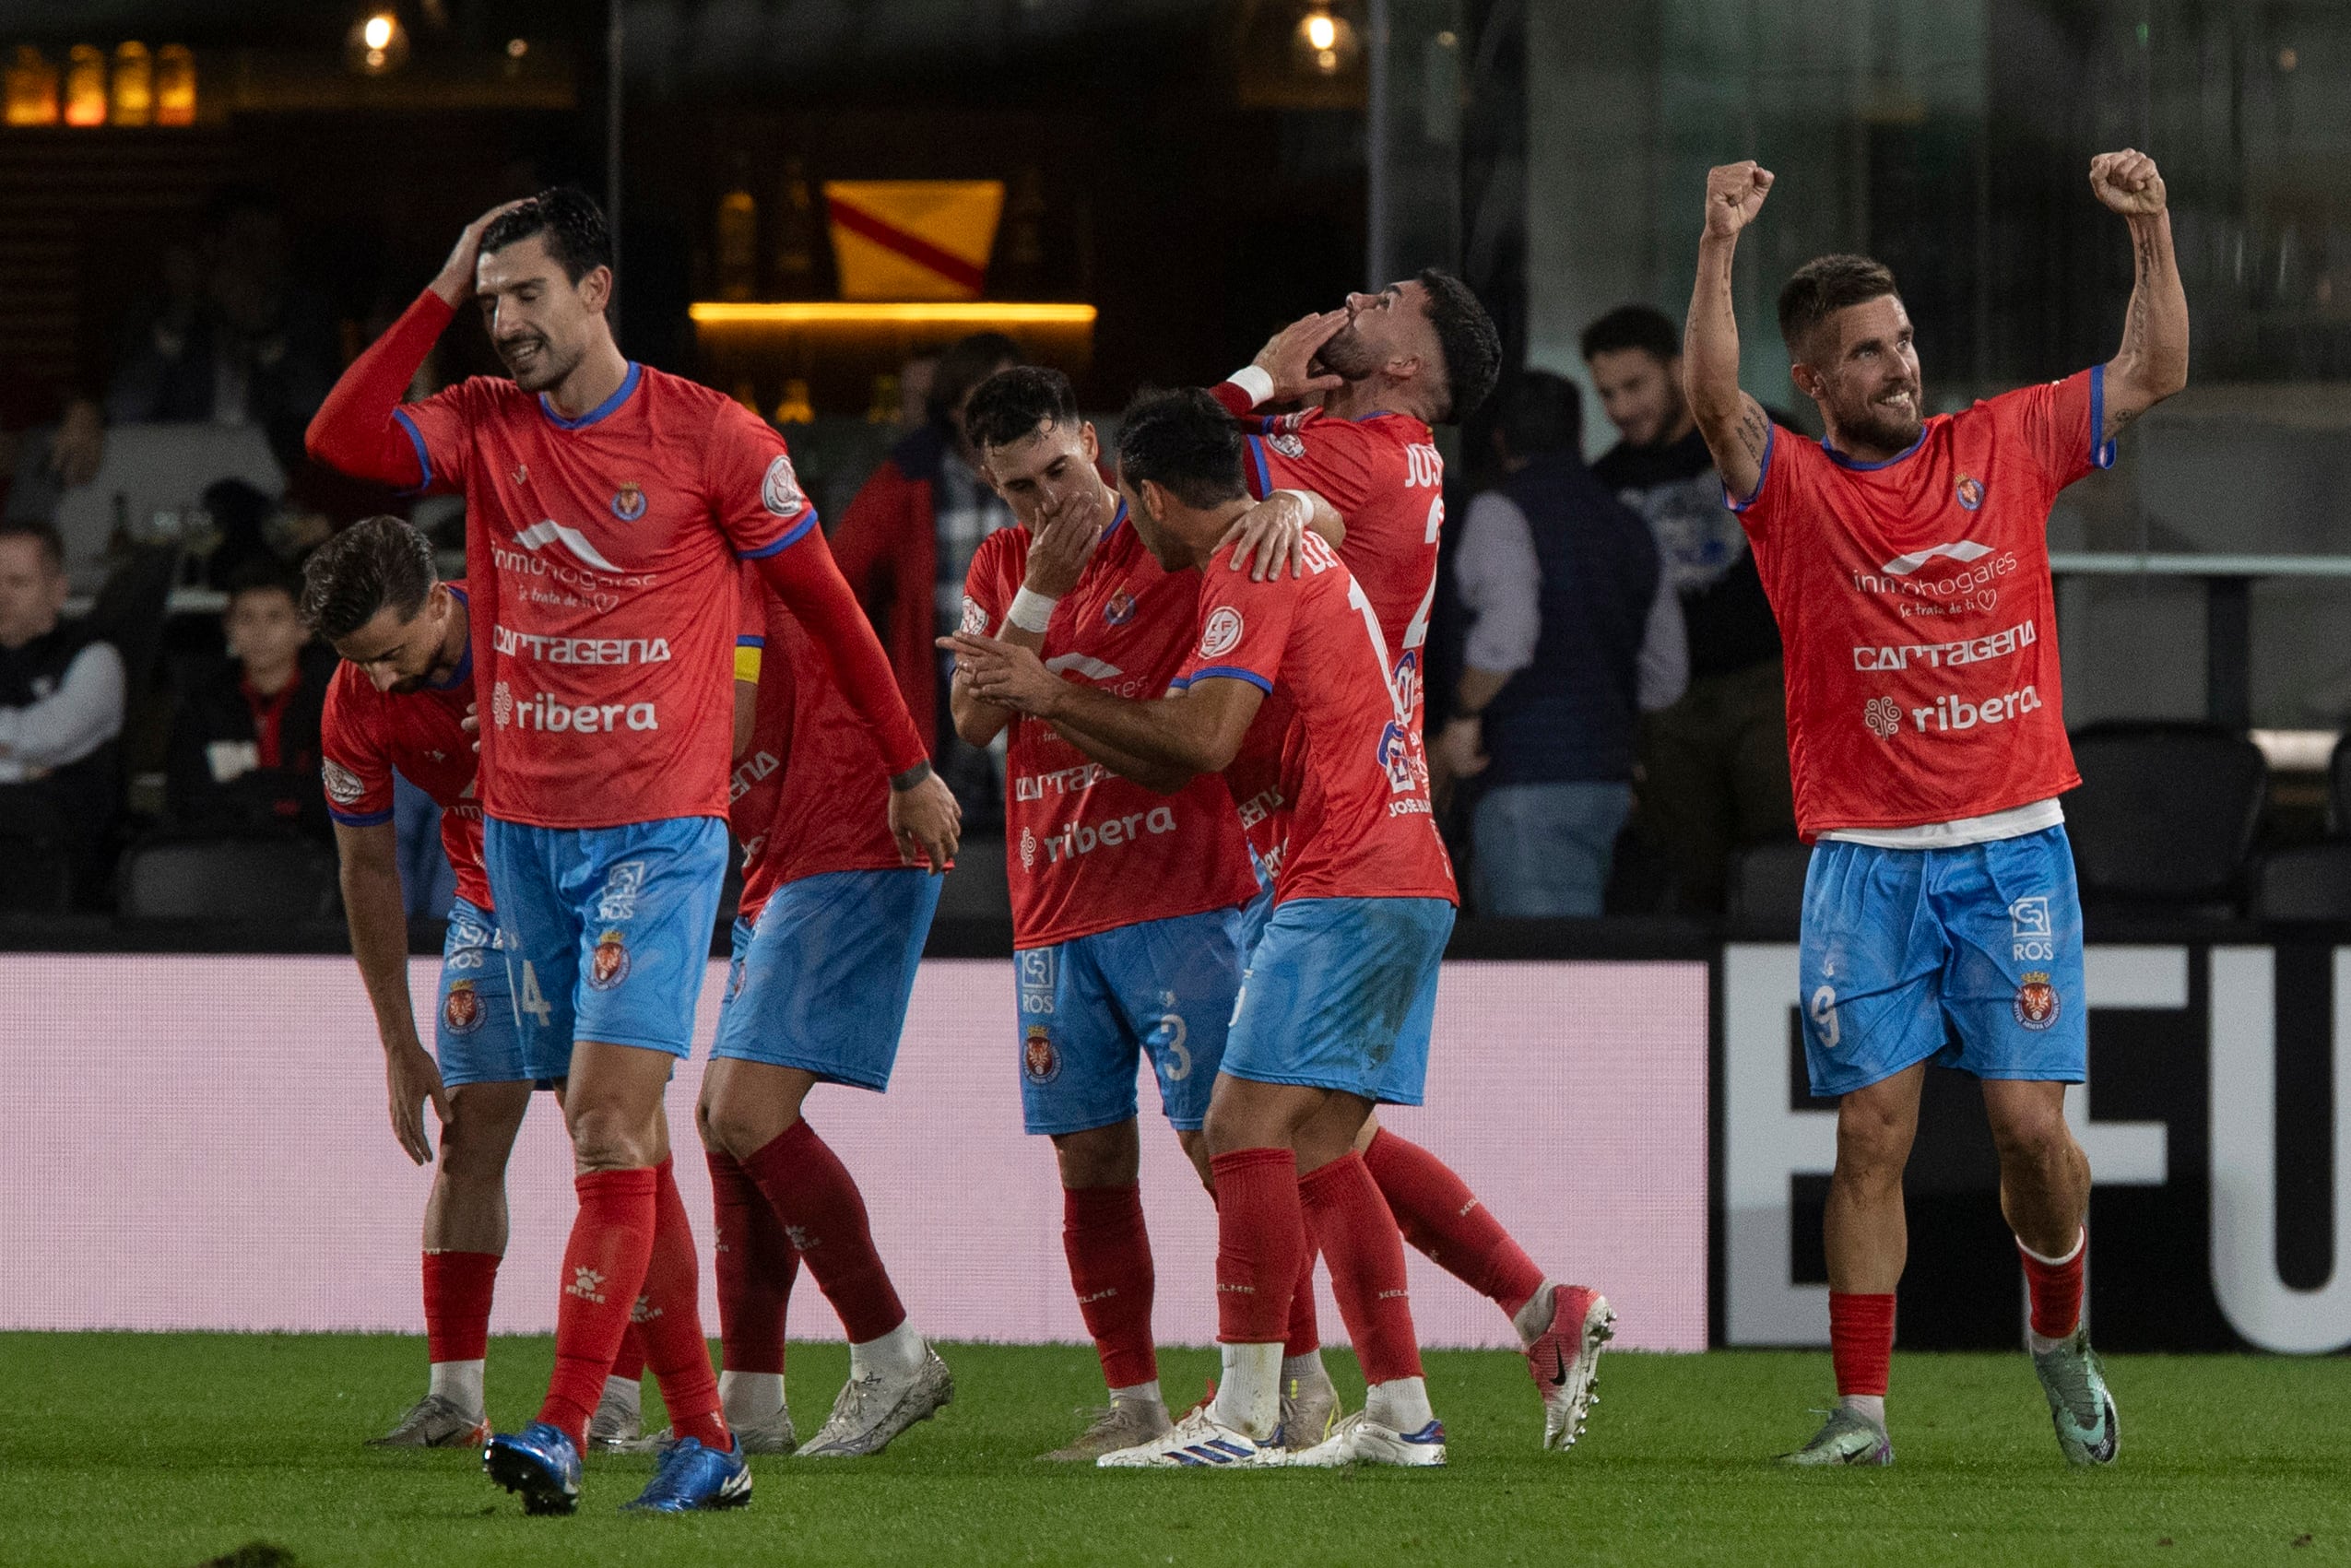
point(1735, 425)
point(2153, 362)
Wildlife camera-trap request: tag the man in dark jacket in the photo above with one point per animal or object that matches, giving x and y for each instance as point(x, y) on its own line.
point(244, 743)
point(907, 543)
point(1574, 633)
point(61, 709)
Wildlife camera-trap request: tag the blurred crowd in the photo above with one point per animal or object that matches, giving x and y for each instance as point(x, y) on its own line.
point(1605, 723)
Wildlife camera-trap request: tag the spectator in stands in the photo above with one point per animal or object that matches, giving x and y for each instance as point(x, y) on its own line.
point(1713, 766)
point(61, 709)
point(244, 754)
point(1573, 634)
point(233, 341)
point(908, 540)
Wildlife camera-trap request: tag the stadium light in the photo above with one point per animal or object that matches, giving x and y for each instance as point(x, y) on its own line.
point(1324, 40)
point(854, 312)
point(377, 43)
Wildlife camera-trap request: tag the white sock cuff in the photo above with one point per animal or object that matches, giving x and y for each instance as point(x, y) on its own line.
point(2081, 1240)
point(1138, 1394)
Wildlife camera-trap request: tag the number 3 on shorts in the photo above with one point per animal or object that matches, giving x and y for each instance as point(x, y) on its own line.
point(533, 1000)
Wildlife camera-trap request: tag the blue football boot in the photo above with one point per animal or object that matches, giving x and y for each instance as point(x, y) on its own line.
point(539, 1462)
point(692, 1476)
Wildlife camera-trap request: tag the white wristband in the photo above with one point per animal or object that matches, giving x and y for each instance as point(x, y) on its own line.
point(1304, 497)
point(1030, 610)
point(1254, 380)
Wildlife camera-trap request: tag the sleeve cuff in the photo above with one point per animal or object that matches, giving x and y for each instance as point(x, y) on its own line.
point(791, 536)
point(1763, 474)
point(1229, 672)
point(2101, 451)
point(361, 818)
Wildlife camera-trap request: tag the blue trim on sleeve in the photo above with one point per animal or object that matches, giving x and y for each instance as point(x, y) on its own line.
point(1771, 434)
point(620, 394)
point(424, 461)
point(1229, 672)
point(371, 820)
point(1257, 461)
point(2101, 451)
point(791, 538)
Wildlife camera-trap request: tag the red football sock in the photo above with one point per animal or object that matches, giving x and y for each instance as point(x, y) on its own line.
point(1259, 1243)
point(1443, 1219)
point(1306, 1330)
point(457, 1288)
point(1860, 1341)
point(604, 1268)
point(1110, 1264)
point(668, 1317)
point(630, 1362)
point(824, 1215)
point(1358, 1234)
point(756, 1264)
point(2055, 1288)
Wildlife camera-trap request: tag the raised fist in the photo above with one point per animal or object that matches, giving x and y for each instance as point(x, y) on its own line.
point(2127, 181)
point(1735, 193)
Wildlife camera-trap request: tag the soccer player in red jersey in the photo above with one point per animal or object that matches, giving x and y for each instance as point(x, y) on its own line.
point(1385, 368)
point(1341, 986)
point(831, 909)
point(1126, 901)
point(1907, 560)
point(608, 505)
point(399, 701)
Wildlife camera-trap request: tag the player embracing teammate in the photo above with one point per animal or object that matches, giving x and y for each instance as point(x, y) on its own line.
point(608, 507)
point(1907, 560)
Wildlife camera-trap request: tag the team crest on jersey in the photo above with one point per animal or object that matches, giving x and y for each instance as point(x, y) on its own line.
point(1039, 1060)
point(627, 501)
point(1971, 492)
point(461, 1011)
point(2036, 1001)
point(1287, 445)
point(609, 963)
point(1223, 633)
point(1883, 716)
point(343, 787)
point(780, 491)
point(1119, 610)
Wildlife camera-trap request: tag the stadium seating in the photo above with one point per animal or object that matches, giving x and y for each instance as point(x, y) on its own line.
point(1766, 895)
point(2165, 816)
point(36, 871)
point(261, 880)
point(2312, 882)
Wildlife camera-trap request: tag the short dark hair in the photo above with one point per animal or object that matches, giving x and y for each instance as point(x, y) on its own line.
point(965, 363)
point(1634, 326)
point(1543, 413)
point(1009, 406)
point(1185, 442)
point(577, 236)
point(45, 534)
point(377, 563)
point(262, 574)
point(1466, 338)
point(1822, 287)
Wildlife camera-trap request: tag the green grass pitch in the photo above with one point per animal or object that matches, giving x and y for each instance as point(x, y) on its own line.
point(169, 1450)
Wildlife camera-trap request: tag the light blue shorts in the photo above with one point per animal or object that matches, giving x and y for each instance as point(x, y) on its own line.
point(1905, 949)
point(608, 930)
point(477, 1037)
point(1342, 993)
point(1091, 1006)
point(821, 982)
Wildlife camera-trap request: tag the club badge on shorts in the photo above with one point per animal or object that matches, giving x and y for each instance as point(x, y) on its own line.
point(2037, 1002)
point(461, 1010)
point(608, 964)
point(1038, 1058)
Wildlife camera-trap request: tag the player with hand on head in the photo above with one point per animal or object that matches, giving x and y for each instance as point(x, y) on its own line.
point(1907, 560)
point(1126, 901)
point(608, 506)
point(1341, 986)
point(1383, 370)
point(398, 701)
